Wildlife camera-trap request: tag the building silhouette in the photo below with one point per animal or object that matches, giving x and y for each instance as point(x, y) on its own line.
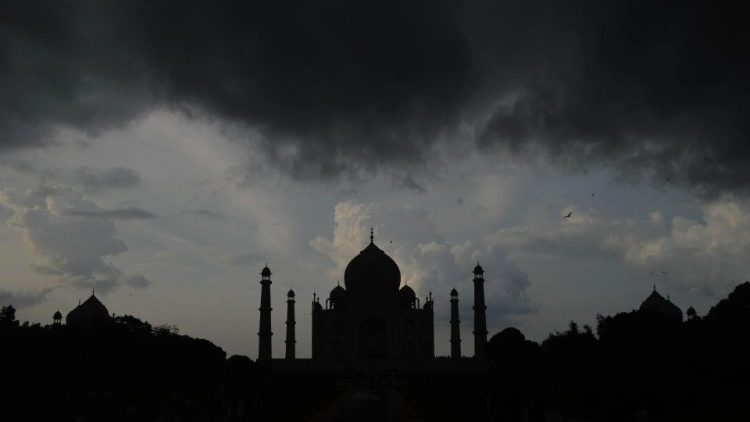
point(290, 323)
point(659, 305)
point(90, 313)
point(480, 316)
point(264, 334)
point(455, 326)
point(372, 317)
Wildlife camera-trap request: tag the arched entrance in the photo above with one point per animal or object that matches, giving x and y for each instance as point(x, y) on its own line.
point(373, 338)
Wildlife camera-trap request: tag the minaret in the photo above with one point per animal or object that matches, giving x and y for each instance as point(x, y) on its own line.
point(455, 328)
point(264, 334)
point(480, 318)
point(290, 341)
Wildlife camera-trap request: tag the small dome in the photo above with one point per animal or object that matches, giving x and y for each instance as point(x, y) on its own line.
point(407, 292)
point(90, 312)
point(657, 304)
point(690, 312)
point(372, 269)
point(509, 335)
point(338, 292)
point(454, 292)
point(478, 269)
point(291, 293)
point(57, 315)
point(266, 271)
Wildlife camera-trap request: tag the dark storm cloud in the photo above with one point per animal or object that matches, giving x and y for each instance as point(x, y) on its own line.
point(63, 64)
point(653, 88)
point(332, 86)
point(131, 213)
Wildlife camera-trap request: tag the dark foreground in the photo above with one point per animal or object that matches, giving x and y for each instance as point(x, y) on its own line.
point(636, 367)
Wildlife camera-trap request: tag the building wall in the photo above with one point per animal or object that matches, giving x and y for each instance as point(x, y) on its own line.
point(372, 328)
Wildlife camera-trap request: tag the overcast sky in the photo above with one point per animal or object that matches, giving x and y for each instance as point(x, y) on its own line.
point(163, 152)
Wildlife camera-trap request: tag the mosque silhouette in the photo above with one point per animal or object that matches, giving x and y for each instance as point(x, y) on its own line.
point(370, 320)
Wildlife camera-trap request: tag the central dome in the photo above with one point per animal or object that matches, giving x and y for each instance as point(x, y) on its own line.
point(372, 269)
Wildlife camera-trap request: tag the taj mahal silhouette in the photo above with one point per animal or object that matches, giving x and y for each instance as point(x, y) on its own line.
point(372, 320)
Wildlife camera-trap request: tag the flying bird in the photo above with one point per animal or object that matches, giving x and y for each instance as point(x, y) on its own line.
point(569, 214)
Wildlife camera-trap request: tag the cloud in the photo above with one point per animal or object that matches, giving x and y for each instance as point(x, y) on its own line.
point(19, 165)
point(245, 259)
point(428, 263)
point(137, 281)
point(705, 254)
point(131, 213)
point(407, 182)
point(94, 179)
point(204, 213)
point(333, 88)
point(702, 254)
point(655, 90)
point(23, 299)
point(55, 222)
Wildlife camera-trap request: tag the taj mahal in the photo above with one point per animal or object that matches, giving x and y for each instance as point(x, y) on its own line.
point(372, 317)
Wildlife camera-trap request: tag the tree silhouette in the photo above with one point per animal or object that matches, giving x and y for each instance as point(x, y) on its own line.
point(638, 366)
point(8, 316)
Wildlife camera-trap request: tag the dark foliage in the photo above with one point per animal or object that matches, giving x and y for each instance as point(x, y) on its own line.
point(642, 367)
point(637, 367)
point(123, 370)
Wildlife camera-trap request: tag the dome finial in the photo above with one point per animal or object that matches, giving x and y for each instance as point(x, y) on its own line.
point(372, 235)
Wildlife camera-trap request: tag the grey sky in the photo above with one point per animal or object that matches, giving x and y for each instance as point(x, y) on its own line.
point(201, 272)
point(164, 152)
